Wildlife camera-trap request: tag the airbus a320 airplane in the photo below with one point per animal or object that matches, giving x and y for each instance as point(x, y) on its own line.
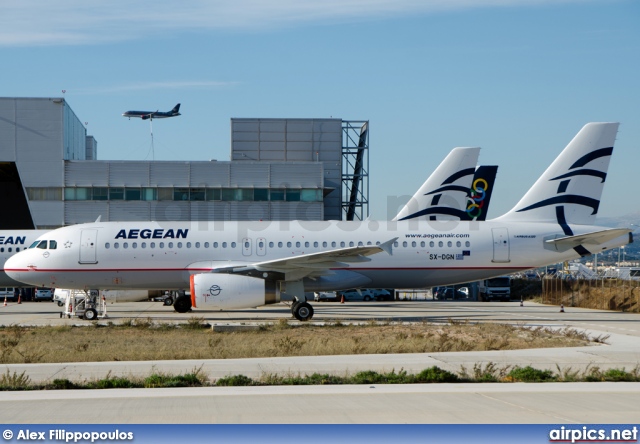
point(231, 265)
point(144, 115)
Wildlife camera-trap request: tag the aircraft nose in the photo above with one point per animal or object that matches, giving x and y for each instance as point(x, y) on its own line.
point(16, 265)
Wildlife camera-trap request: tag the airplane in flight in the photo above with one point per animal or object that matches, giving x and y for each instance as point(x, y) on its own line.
point(144, 115)
point(232, 265)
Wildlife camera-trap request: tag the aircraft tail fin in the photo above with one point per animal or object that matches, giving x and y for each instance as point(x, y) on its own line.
point(176, 109)
point(569, 191)
point(479, 194)
point(443, 195)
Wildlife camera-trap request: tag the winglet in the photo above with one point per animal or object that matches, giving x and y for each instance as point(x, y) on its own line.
point(98, 219)
point(386, 246)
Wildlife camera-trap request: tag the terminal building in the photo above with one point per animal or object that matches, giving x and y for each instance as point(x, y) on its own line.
point(279, 169)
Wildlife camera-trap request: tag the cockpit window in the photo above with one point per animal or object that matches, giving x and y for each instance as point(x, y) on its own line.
point(42, 245)
point(33, 245)
point(53, 245)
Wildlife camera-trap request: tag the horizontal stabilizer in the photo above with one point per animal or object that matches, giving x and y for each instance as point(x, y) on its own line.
point(592, 239)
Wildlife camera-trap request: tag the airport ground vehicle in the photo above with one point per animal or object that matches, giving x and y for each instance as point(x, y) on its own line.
point(325, 296)
point(43, 294)
point(8, 293)
point(443, 293)
point(498, 288)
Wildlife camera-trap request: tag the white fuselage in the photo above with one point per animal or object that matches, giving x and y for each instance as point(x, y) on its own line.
point(11, 242)
point(163, 255)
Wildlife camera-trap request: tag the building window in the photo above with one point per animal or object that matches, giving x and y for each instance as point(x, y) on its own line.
point(213, 193)
point(293, 196)
point(149, 194)
point(44, 193)
point(132, 193)
point(181, 194)
point(116, 193)
point(311, 195)
point(277, 194)
point(165, 193)
point(261, 194)
point(197, 194)
point(100, 193)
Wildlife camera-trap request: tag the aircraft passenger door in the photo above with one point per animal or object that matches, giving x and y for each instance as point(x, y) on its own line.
point(261, 246)
point(500, 245)
point(246, 246)
point(88, 244)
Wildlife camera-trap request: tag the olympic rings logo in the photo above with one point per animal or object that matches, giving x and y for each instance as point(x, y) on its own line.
point(475, 200)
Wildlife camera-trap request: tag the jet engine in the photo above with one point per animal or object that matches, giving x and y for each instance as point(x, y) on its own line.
point(229, 291)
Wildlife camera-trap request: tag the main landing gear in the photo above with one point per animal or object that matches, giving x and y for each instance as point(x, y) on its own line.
point(182, 304)
point(302, 311)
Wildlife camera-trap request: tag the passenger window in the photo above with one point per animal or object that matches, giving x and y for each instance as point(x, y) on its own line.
point(413, 244)
point(449, 244)
point(206, 245)
point(288, 244)
point(315, 245)
point(107, 245)
point(143, 245)
point(170, 245)
point(432, 244)
point(134, 245)
point(395, 244)
point(9, 250)
point(458, 244)
point(260, 245)
point(306, 244)
point(440, 244)
point(342, 244)
point(297, 244)
point(467, 244)
point(179, 244)
point(360, 244)
point(279, 244)
point(215, 245)
point(233, 245)
point(324, 245)
point(333, 244)
point(270, 244)
point(224, 245)
point(351, 244)
point(152, 245)
point(125, 245)
point(116, 245)
point(53, 245)
point(404, 244)
point(161, 245)
point(423, 244)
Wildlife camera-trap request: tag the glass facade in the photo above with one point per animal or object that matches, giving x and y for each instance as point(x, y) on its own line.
point(176, 194)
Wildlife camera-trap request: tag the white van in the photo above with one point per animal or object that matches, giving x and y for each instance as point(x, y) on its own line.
point(7, 292)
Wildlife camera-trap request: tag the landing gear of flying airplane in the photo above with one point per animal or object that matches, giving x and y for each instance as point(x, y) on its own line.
point(182, 304)
point(302, 311)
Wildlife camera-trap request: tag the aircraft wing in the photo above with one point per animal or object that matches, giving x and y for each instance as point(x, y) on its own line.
point(594, 238)
point(313, 264)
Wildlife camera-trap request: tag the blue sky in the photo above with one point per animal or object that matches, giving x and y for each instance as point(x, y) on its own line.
point(518, 78)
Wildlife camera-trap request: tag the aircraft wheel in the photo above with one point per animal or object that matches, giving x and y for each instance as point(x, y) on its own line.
point(90, 314)
point(167, 301)
point(60, 303)
point(182, 304)
point(293, 307)
point(303, 311)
